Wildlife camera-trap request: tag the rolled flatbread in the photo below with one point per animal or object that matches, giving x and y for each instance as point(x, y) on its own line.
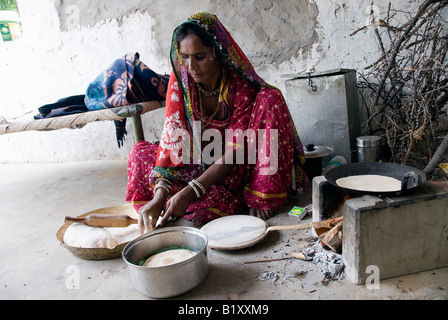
point(370, 183)
point(168, 257)
point(83, 236)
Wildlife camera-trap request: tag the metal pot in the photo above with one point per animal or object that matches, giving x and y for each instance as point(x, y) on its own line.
point(172, 280)
point(314, 155)
point(368, 148)
point(410, 177)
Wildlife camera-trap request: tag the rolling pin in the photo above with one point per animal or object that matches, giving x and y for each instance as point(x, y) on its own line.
point(330, 223)
point(104, 220)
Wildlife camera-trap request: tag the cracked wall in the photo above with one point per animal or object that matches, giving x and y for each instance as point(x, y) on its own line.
point(67, 43)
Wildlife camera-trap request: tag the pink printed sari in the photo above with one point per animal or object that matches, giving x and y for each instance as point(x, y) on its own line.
point(271, 152)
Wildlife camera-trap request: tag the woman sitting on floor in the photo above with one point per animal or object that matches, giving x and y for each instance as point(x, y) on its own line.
point(228, 141)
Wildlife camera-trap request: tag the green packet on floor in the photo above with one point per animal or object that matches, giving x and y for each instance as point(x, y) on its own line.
point(300, 212)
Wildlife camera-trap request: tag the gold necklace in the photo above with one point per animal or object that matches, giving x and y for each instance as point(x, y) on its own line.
point(204, 119)
point(209, 93)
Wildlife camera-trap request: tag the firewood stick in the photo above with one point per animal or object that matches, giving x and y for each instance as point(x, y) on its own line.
point(267, 260)
point(333, 238)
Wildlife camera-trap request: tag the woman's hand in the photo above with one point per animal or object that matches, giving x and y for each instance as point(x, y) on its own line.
point(177, 205)
point(149, 213)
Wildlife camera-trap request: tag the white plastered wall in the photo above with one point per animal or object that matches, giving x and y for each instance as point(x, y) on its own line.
point(66, 44)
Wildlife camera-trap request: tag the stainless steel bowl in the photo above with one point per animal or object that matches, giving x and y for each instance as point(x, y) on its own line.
point(172, 280)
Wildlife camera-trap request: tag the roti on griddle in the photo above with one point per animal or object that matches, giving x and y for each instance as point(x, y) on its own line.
point(370, 183)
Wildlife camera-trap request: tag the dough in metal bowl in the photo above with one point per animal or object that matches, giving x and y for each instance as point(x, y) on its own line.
point(168, 257)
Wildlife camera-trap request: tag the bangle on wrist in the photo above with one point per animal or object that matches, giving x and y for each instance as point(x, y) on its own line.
point(161, 180)
point(164, 184)
point(199, 185)
point(195, 189)
point(157, 187)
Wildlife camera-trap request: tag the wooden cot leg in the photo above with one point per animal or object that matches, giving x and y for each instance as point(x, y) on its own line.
point(137, 127)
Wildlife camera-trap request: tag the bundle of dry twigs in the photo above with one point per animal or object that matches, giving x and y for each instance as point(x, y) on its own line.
point(405, 92)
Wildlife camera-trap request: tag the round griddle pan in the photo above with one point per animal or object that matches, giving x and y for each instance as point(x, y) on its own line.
point(410, 177)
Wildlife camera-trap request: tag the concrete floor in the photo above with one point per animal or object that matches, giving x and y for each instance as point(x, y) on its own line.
point(35, 198)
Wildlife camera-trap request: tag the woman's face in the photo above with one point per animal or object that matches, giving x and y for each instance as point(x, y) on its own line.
point(200, 62)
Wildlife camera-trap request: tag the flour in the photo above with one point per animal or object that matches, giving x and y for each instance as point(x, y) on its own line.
point(82, 236)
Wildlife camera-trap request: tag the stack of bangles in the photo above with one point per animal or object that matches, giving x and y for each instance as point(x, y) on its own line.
point(164, 184)
point(197, 187)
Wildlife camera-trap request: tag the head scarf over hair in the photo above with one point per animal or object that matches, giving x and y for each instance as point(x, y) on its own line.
point(223, 43)
point(179, 123)
point(180, 127)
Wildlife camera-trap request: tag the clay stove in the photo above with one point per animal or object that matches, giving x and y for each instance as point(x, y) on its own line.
point(399, 235)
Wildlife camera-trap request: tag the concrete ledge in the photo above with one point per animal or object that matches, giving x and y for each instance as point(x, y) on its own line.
point(399, 236)
point(396, 235)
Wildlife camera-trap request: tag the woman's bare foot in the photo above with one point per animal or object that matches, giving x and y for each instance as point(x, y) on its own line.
point(261, 213)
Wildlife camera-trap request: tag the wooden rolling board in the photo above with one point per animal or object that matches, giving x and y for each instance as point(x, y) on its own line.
point(235, 232)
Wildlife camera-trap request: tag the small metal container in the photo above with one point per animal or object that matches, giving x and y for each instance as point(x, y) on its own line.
point(368, 148)
point(172, 280)
point(314, 155)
